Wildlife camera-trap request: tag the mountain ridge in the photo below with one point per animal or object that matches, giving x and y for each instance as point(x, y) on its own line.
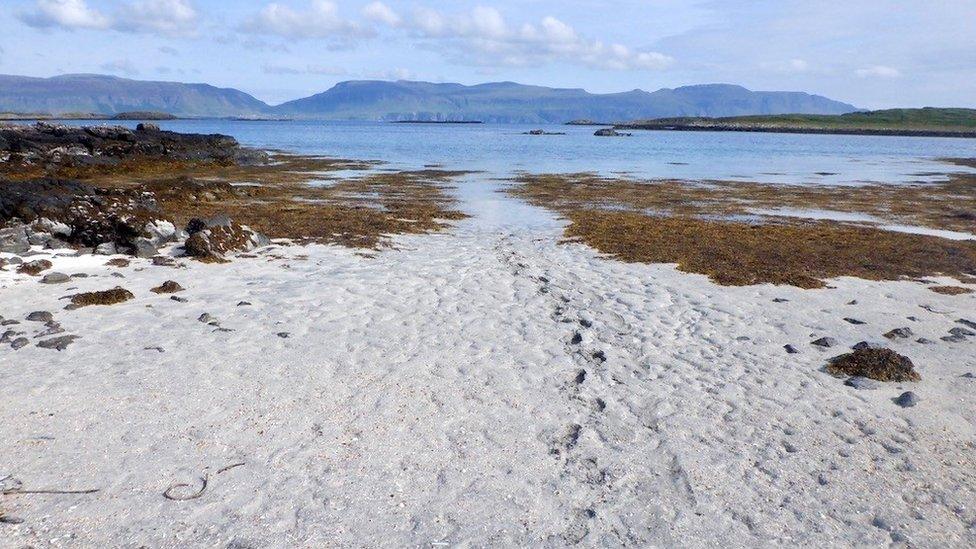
point(403, 100)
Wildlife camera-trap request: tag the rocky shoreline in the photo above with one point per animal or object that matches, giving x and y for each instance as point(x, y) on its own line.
point(58, 213)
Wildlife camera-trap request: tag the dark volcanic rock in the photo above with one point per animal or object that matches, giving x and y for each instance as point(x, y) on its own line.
point(907, 399)
point(45, 143)
point(877, 364)
point(899, 333)
point(824, 342)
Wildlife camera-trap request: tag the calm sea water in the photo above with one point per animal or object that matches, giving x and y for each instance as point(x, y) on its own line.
point(501, 150)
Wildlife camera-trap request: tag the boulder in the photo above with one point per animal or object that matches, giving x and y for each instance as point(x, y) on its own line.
point(34, 268)
point(14, 240)
point(211, 240)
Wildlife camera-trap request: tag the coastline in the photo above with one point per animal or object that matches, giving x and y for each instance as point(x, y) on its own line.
point(442, 359)
point(797, 130)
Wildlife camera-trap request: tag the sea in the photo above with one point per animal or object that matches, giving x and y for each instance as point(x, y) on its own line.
point(502, 150)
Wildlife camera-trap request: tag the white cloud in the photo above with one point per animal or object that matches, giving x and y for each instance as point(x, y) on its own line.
point(878, 71)
point(271, 68)
point(163, 16)
point(483, 37)
point(154, 16)
point(68, 14)
point(392, 74)
point(320, 20)
point(381, 13)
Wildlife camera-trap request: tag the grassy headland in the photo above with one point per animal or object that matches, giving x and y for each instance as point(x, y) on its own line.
point(912, 122)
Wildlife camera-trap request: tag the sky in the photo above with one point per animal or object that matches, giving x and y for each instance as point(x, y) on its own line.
point(872, 53)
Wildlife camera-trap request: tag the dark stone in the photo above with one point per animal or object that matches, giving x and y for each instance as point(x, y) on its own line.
point(824, 342)
point(900, 333)
point(55, 278)
point(862, 383)
point(907, 399)
point(867, 345)
point(19, 343)
point(963, 332)
point(40, 316)
point(968, 323)
point(854, 321)
point(791, 349)
point(57, 343)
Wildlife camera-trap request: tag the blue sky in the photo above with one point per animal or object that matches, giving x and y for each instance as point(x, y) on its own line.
point(873, 53)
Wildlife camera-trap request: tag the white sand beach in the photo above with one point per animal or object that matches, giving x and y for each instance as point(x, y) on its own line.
point(484, 386)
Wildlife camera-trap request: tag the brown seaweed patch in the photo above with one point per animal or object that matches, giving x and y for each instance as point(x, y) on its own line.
point(877, 364)
point(951, 290)
point(105, 297)
point(795, 254)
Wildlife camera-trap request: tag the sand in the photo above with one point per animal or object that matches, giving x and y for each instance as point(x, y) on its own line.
point(485, 386)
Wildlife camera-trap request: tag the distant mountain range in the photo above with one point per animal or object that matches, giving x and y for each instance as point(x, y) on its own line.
point(402, 100)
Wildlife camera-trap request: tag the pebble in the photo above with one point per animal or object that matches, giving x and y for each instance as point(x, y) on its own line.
point(9, 322)
point(924, 341)
point(55, 278)
point(899, 333)
point(206, 318)
point(969, 375)
point(243, 303)
point(283, 335)
point(867, 345)
point(780, 300)
point(178, 299)
point(957, 331)
point(854, 321)
point(19, 343)
point(790, 349)
point(968, 323)
point(907, 399)
point(40, 316)
point(862, 383)
point(824, 342)
point(953, 339)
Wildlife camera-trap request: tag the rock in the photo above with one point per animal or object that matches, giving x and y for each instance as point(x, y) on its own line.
point(206, 318)
point(105, 297)
point(780, 300)
point(147, 127)
point(178, 299)
point(9, 335)
point(84, 251)
point(9, 322)
point(55, 278)
point(953, 339)
point(168, 287)
point(163, 261)
point(969, 375)
point(854, 321)
point(610, 132)
point(15, 260)
point(19, 343)
point(959, 331)
point(106, 248)
point(924, 341)
point(862, 383)
point(211, 240)
point(117, 262)
point(790, 349)
point(900, 333)
point(877, 364)
point(57, 343)
point(243, 303)
point(907, 399)
point(824, 342)
point(867, 345)
point(143, 247)
point(967, 323)
point(162, 232)
point(34, 268)
point(14, 240)
point(40, 316)
point(284, 335)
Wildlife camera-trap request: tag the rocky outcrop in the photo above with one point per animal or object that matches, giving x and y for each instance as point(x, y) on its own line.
point(57, 212)
point(212, 239)
point(44, 143)
point(610, 132)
